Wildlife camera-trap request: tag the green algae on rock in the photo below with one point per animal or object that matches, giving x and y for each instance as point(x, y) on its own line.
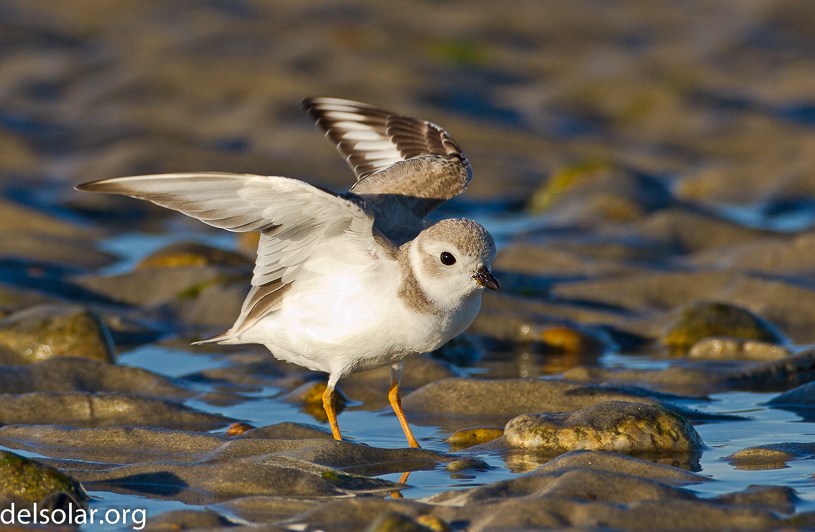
point(617, 426)
point(191, 254)
point(49, 331)
point(702, 320)
point(33, 481)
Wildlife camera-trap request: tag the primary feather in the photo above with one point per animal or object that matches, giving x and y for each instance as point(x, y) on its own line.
point(295, 220)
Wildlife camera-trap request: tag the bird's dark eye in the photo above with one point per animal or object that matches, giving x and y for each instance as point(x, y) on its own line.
point(447, 258)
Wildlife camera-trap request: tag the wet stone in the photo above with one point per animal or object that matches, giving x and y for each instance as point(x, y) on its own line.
point(83, 375)
point(357, 513)
point(265, 509)
point(620, 463)
point(781, 499)
point(110, 445)
point(276, 444)
point(53, 252)
point(186, 519)
point(13, 299)
point(150, 287)
point(258, 368)
point(433, 523)
point(581, 483)
point(237, 429)
point(51, 331)
point(773, 255)
point(467, 464)
point(661, 514)
point(20, 219)
point(610, 426)
point(371, 387)
point(191, 254)
point(597, 191)
point(459, 402)
point(468, 437)
point(704, 320)
point(395, 522)
point(724, 348)
point(310, 397)
point(786, 303)
point(32, 481)
point(524, 319)
point(592, 485)
point(570, 340)
point(801, 396)
point(701, 377)
point(770, 456)
point(214, 303)
point(220, 481)
point(681, 230)
point(289, 431)
point(103, 409)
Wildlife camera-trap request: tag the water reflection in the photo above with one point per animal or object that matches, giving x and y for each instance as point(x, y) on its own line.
point(402, 480)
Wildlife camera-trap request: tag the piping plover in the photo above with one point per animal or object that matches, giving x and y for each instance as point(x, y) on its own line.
point(353, 281)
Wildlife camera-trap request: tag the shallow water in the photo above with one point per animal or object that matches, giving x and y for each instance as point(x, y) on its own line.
point(381, 429)
point(762, 425)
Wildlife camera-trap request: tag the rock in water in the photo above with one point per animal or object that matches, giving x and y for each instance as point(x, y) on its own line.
point(29, 480)
point(618, 426)
point(703, 320)
point(49, 331)
point(724, 348)
point(469, 437)
point(191, 254)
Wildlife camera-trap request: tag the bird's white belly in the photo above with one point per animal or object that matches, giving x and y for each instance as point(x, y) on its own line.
point(354, 328)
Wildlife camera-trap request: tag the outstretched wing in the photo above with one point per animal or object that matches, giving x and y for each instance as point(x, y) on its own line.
point(396, 158)
point(294, 219)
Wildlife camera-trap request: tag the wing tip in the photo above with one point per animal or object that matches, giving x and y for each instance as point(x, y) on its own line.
point(312, 102)
point(215, 339)
point(96, 186)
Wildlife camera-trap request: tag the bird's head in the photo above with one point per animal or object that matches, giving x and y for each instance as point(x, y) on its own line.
point(452, 260)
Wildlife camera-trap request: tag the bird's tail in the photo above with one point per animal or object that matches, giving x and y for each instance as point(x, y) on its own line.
point(218, 338)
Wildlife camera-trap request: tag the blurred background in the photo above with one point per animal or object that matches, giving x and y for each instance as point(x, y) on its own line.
point(713, 98)
point(633, 158)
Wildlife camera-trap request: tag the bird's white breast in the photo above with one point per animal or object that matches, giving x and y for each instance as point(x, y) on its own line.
point(352, 320)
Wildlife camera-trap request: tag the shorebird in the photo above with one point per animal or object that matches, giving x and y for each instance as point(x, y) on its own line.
point(347, 282)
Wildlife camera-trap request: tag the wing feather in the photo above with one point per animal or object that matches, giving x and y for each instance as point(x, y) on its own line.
point(405, 167)
point(363, 133)
point(294, 218)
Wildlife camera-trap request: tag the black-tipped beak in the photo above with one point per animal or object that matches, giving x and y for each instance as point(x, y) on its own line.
point(485, 278)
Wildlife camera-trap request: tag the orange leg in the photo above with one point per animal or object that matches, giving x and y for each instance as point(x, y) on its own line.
point(396, 403)
point(329, 403)
point(402, 480)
